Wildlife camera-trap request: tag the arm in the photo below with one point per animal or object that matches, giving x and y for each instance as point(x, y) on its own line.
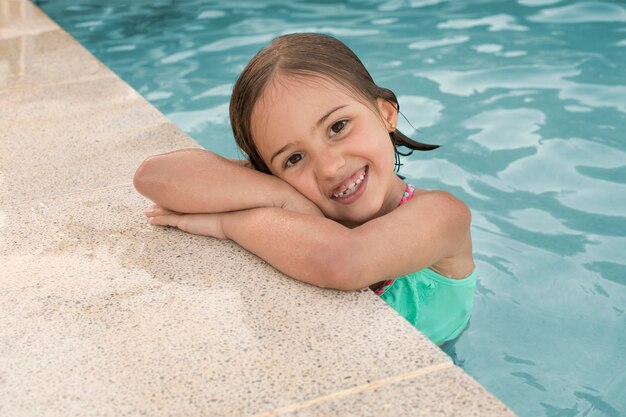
point(431, 229)
point(199, 181)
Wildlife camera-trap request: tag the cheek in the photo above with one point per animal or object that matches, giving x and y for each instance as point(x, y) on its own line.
point(303, 184)
point(379, 145)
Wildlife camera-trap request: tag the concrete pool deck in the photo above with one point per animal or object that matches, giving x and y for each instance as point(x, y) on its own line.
point(105, 315)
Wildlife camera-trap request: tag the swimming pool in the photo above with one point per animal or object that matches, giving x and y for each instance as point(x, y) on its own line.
point(528, 99)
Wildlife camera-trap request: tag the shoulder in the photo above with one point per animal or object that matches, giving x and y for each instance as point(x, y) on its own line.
point(454, 219)
point(434, 194)
point(441, 203)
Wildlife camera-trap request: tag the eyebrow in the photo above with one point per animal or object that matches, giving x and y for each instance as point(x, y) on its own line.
point(327, 115)
point(319, 122)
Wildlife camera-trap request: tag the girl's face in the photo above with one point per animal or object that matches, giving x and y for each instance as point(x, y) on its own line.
point(331, 147)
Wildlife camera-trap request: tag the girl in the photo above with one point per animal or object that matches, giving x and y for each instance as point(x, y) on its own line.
point(319, 198)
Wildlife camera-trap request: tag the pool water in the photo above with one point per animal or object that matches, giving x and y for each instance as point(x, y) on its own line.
point(527, 99)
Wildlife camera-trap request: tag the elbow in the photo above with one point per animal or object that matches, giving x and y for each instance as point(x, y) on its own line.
point(338, 280)
point(336, 270)
point(145, 179)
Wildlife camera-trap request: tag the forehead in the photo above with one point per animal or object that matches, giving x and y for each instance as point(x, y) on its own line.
point(290, 107)
point(309, 91)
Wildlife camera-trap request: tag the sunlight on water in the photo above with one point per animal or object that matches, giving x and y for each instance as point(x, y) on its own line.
point(527, 99)
point(582, 13)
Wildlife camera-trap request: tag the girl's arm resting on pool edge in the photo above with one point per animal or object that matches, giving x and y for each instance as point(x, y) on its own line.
point(199, 181)
point(325, 253)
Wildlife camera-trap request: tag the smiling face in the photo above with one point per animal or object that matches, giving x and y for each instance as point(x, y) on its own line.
point(330, 146)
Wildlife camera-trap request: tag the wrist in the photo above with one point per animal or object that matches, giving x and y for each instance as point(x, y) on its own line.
point(225, 224)
point(235, 225)
point(281, 194)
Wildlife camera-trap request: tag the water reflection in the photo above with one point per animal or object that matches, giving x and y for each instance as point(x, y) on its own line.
point(494, 23)
point(236, 42)
point(434, 43)
point(418, 112)
point(572, 189)
point(583, 12)
point(521, 126)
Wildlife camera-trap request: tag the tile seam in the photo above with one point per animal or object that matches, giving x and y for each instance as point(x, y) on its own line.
point(70, 193)
point(357, 389)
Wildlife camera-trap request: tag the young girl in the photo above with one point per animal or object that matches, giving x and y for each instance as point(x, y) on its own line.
point(319, 198)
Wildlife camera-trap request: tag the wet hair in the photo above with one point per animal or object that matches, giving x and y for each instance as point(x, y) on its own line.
point(308, 55)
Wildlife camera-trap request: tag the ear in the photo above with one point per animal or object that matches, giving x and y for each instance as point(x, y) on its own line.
point(389, 112)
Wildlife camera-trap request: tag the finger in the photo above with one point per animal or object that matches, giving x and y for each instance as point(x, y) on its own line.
point(167, 220)
point(152, 207)
point(157, 211)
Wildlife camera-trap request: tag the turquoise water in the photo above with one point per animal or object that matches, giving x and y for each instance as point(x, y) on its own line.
point(528, 99)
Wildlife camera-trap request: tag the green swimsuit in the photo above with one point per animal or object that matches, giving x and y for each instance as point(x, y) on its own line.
point(440, 307)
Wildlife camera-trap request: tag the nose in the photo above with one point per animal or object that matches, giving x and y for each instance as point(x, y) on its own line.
point(329, 163)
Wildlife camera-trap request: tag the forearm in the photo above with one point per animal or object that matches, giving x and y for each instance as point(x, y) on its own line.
point(298, 245)
point(198, 181)
point(325, 253)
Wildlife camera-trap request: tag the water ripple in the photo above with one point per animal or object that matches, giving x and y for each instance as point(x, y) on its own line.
point(466, 83)
point(424, 3)
point(434, 43)
point(535, 3)
point(495, 23)
point(597, 403)
point(584, 12)
point(519, 361)
point(211, 14)
point(529, 380)
point(573, 189)
point(236, 42)
point(609, 270)
point(521, 126)
point(341, 32)
point(421, 111)
point(195, 121)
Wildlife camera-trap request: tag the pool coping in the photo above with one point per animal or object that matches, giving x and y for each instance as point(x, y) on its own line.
point(81, 266)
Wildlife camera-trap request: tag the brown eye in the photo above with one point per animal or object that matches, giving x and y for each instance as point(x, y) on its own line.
point(293, 159)
point(338, 127)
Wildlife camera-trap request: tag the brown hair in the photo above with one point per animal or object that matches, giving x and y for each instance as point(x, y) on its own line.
point(304, 54)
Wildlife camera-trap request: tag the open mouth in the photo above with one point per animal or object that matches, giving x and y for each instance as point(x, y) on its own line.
point(351, 186)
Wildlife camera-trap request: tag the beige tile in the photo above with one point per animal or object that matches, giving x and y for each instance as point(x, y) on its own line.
point(46, 58)
point(102, 312)
point(71, 137)
point(21, 17)
point(445, 393)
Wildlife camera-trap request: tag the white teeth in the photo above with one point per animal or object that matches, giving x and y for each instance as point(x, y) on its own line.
point(350, 188)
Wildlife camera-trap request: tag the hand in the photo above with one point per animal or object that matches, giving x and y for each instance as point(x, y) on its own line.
point(197, 224)
point(304, 206)
point(294, 201)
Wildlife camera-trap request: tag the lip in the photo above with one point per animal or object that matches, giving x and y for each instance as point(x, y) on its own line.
point(358, 193)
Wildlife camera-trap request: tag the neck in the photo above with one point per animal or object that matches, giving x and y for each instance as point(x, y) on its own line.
point(394, 196)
